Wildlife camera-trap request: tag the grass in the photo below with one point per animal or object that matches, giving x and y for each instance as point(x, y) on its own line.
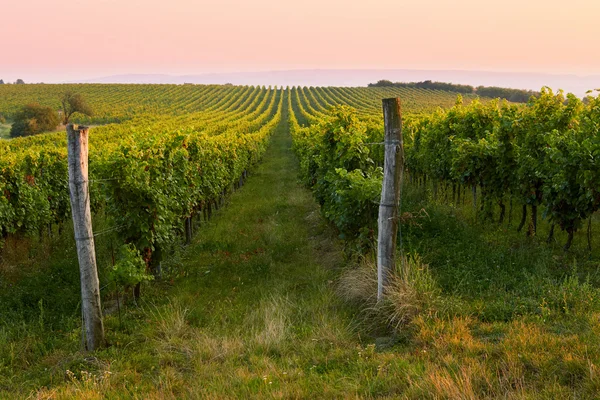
point(4, 131)
point(501, 273)
point(252, 309)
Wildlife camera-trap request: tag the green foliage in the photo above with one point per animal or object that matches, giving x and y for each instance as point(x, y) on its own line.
point(33, 119)
point(335, 161)
point(74, 103)
point(543, 154)
point(130, 268)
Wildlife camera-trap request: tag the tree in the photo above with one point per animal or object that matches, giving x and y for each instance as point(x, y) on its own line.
point(381, 82)
point(74, 103)
point(33, 119)
point(1, 81)
point(20, 82)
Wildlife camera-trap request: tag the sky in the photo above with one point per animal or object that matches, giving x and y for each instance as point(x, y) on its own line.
point(60, 40)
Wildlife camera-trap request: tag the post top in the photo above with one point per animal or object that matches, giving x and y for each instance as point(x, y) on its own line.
point(76, 127)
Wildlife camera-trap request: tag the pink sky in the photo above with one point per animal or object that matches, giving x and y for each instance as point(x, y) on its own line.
point(56, 40)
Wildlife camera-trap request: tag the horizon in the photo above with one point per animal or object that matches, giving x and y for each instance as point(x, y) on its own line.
point(580, 85)
point(576, 84)
point(83, 79)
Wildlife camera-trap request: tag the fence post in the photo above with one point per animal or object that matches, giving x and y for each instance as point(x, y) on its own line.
point(77, 139)
point(390, 193)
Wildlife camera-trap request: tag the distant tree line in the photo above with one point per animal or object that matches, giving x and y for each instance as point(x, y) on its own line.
point(514, 95)
point(451, 87)
point(18, 82)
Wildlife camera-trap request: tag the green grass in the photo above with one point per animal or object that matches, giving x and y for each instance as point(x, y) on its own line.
point(250, 310)
point(5, 131)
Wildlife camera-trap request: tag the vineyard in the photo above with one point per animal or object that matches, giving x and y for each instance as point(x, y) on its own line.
point(496, 296)
point(145, 175)
point(545, 154)
point(177, 149)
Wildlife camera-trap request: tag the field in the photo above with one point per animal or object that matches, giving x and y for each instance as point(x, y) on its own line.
point(273, 295)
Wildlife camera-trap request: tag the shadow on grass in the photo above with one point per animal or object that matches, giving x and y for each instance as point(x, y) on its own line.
point(498, 273)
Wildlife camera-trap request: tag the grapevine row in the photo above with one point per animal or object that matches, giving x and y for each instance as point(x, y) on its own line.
point(148, 174)
point(545, 155)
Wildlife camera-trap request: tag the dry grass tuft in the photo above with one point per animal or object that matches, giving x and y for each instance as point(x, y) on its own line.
point(411, 292)
point(452, 386)
point(170, 321)
point(270, 322)
point(358, 285)
point(172, 335)
point(83, 385)
point(209, 348)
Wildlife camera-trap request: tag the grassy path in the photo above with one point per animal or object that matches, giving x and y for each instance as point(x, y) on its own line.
point(257, 309)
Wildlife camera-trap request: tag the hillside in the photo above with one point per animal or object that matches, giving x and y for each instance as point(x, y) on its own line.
point(577, 84)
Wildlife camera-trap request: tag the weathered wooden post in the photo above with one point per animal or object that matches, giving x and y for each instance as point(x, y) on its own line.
point(390, 193)
point(93, 328)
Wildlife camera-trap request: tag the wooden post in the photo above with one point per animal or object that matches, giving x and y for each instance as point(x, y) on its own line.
point(77, 139)
point(390, 193)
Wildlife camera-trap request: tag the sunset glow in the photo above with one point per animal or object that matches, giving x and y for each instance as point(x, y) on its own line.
point(56, 40)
